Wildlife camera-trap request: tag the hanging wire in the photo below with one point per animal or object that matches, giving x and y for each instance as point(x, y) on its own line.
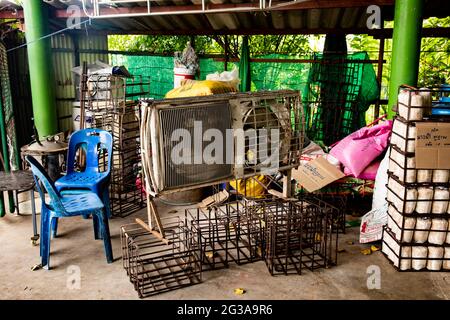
point(85, 22)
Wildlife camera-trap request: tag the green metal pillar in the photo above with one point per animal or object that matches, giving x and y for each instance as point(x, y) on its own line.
point(405, 47)
point(40, 65)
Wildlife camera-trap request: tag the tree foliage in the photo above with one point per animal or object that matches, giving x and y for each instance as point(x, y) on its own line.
point(292, 44)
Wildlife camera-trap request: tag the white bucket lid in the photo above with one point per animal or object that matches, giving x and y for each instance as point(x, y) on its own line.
point(183, 71)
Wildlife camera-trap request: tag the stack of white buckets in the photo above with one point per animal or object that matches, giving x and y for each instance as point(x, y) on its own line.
point(417, 236)
point(180, 74)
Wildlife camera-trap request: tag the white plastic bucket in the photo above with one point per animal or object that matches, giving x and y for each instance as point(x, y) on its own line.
point(76, 116)
point(181, 74)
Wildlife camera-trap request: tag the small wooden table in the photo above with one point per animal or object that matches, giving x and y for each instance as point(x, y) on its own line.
point(20, 181)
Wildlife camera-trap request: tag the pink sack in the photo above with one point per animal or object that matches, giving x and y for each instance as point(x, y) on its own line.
point(359, 149)
point(369, 173)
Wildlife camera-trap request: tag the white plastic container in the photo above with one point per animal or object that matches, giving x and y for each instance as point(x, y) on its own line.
point(180, 74)
point(397, 199)
point(424, 197)
point(435, 255)
point(404, 161)
point(395, 223)
point(440, 200)
point(448, 234)
point(427, 100)
point(437, 233)
point(400, 139)
point(400, 256)
point(422, 231)
point(440, 176)
point(424, 175)
point(446, 264)
point(415, 104)
point(419, 258)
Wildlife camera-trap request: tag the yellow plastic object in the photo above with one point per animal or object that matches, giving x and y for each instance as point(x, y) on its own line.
point(194, 88)
point(239, 291)
point(250, 187)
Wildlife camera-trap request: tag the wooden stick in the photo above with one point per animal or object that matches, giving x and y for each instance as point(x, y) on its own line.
point(154, 232)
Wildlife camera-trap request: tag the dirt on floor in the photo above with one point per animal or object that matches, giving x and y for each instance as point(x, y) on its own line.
point(79, 270)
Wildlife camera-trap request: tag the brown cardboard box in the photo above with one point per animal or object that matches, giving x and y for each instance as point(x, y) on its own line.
point(316, 174)
point(433, 145)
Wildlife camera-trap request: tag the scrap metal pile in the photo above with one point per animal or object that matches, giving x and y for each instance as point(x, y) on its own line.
point(288, 235)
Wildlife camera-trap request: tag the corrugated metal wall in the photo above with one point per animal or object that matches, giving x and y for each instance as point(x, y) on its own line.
point(20, 89)
point(69, 51)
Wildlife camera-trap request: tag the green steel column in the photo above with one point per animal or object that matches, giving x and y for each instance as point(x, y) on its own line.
point(40, 65)
point(405, 47)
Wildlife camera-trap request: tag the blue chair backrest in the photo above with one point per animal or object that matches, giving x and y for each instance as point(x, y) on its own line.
point(41, 177)
point(94, 141)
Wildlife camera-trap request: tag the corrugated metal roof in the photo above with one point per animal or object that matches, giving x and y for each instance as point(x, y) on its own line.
point(308, 16)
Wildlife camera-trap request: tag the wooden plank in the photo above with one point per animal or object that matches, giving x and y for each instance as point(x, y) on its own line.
point(154, 232)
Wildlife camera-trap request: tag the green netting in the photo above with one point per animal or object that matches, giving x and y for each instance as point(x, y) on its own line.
point(336, 91)
point(279, 75)
point(158, 68)
point(340, 90)
point(209, 65)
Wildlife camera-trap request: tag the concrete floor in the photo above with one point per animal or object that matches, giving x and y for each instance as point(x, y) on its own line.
point(75, 246)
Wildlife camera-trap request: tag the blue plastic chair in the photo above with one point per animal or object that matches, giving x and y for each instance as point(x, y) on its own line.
point(61, 206)
point(93, 141)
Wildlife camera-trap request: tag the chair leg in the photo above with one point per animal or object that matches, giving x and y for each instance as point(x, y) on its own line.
point(97, 227)
point(106, 202)
point(45, 241)
point(54, 227)
point(44, 217)
point(104, 225)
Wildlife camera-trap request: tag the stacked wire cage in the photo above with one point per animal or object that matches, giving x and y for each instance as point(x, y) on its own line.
point(155, 267)
point(297, 234)
point(417, 236)
point(333, 97)
point(111, 105)
point(225, 236)
point(287, 235)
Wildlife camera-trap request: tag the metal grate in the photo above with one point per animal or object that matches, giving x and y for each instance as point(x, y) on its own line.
point(108, 105)
point(194, 121)
point(154, 267)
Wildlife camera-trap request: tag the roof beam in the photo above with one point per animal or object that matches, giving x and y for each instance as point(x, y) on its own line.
point(376, 33)
point(311, 4)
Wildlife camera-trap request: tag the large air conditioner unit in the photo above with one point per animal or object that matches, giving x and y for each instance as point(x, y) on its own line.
point(200, 141)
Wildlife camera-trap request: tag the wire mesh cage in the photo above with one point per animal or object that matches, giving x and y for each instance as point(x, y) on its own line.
point(334, 104)
point(125, 194)
point(107, 101)
point(109, 93)
point(155, 267)
point(415, 256)
point(224, 235)
point(287, 235)
point(298, 234)
point(337, 204)
point(417, 236)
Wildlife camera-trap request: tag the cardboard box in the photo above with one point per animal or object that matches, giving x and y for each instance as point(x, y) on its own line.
point(316, 174)
point(433, 145)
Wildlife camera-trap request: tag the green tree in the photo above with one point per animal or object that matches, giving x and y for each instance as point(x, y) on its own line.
point(292, 44)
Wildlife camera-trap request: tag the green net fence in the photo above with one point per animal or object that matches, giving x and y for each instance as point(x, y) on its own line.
point(336, 90)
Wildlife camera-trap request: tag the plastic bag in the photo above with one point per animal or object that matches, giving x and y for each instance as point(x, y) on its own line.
point(369, 173)
point(360, 148)
point(231, 77)
point(193, 88)
point(250, 187)
point(188, 59)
